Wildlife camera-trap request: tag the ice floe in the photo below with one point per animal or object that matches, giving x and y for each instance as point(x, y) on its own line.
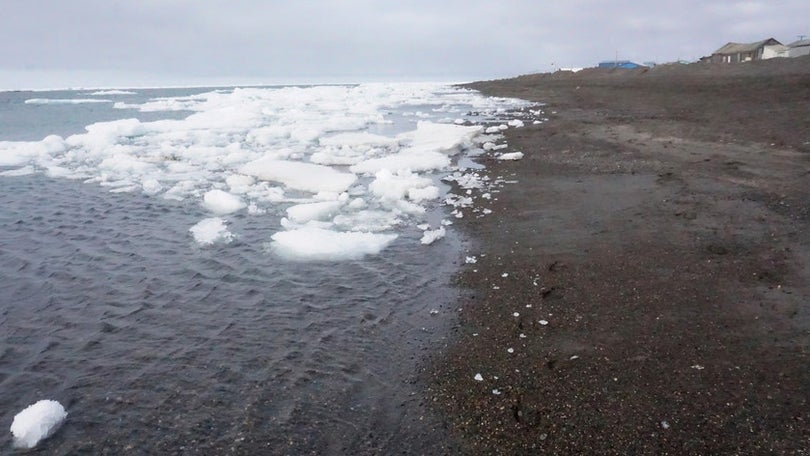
point(350, 166)
point(37, 422)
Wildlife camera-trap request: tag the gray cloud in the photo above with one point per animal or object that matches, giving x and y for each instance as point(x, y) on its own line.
point(364, 39)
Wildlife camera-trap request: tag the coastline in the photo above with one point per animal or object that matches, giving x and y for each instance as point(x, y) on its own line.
point(648, 270)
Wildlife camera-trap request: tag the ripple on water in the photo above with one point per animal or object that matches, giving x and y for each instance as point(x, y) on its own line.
point(152, 341)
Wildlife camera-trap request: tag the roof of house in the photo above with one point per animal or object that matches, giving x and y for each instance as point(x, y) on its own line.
point(736, 48)
point(800, 43)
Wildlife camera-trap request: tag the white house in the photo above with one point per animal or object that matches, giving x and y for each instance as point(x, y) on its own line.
point(799, 48)
point(771, 51)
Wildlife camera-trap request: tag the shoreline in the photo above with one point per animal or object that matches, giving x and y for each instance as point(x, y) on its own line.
point(648, 270)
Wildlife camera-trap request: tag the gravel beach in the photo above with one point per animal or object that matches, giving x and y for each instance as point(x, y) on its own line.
point(642, 285)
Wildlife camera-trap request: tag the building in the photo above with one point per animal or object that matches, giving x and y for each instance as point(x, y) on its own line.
point(744, 52)
point(799, 48)
point(773, 51)
point(619, 64)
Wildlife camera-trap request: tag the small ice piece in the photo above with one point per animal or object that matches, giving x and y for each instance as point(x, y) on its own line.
point(516, 314)
point(664, 425)
point(698, 367)
point(522, 336)
point(37, 422)
point(221, 203)
point(505, 274)
point(511, 156)
point(431, 236)
point(496, 392)
point(517, 123)
point(510, 350)
point(211, 230)
point(470, 260)
point(574, 357)
point(253, 209)
point(303, 213)
point(543, 322)
point(434, 311)
point(316, 244)
point(478, 378)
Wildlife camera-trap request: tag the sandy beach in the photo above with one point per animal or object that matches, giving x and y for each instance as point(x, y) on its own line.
point(642, 287)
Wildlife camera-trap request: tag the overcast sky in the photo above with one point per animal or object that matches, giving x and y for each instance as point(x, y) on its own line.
point(59, 43)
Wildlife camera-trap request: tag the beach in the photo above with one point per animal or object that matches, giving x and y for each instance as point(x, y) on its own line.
point(641, 286)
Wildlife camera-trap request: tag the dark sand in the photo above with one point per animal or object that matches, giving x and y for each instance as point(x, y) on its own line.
point(660, 226)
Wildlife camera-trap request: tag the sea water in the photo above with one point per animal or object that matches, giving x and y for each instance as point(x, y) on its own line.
point(251, 270)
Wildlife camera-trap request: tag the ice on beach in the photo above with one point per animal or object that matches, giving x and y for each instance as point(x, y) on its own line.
point(37, 422)
point(511, 156)
point(317, 244)
point(211, 230)
point(478, 378)
point(221, 203)
point(348, 160)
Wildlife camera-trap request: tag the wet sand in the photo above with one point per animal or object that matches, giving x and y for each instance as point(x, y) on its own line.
point(649, 269)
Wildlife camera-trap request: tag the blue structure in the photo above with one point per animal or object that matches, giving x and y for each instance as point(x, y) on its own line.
point(620, 64)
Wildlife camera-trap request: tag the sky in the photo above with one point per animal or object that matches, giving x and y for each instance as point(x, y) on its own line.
point(120, 43)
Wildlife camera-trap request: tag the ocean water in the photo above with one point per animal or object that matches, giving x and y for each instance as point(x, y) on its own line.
point(237, 270)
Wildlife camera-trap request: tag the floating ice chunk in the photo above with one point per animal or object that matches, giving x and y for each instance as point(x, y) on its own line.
point(24, 171)
point(239, 183)
point(390, 188)
point(407, 160)
point(303, 213)
point(358, 139)
point(447, 138)
point(515, 123)
point(112, 92)
point(511, 156)
point(431, 236)
point(151, 186)
point(37, 422)
point(300, 176)
point(253, 209)
point(44, 101)
point(211, 230)
point(478, 378)
point(314, 244)
point(221, 203)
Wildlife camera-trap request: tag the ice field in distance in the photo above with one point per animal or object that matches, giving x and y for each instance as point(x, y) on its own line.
point(337, 165)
